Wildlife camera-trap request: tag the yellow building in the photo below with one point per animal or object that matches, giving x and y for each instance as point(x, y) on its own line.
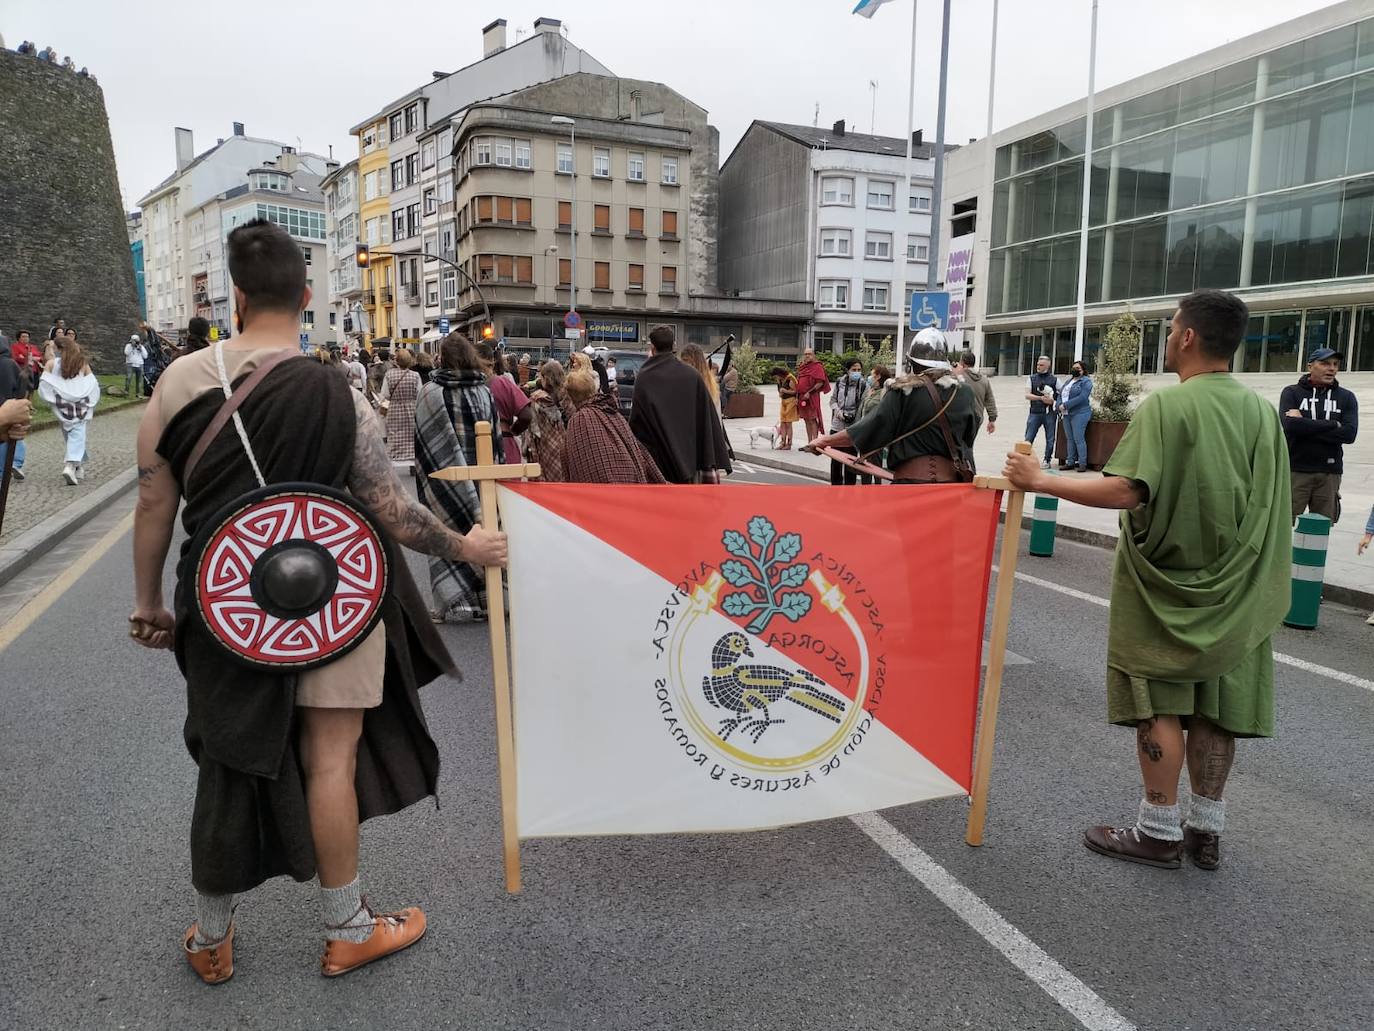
point(374, 228)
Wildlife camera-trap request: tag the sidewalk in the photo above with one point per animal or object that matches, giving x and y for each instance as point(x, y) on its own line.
point(1353, 576)
point(45, 498)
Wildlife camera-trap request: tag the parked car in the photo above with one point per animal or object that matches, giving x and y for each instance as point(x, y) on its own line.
point(627, 365)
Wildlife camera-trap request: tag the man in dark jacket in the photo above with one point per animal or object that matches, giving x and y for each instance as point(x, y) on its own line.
point(1319, 418)
point(289, 763)
point(674, 418)
point(907, 422)
point(1043, 394)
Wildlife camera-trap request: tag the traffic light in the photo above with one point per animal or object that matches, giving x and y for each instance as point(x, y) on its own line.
point(488, 331)
point(362, 255)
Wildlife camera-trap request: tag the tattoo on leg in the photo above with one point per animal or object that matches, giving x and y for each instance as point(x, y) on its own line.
point(1211, 751)
point(1149, 747)
point(1157, 797)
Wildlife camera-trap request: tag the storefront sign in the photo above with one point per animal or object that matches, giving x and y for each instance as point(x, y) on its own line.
point(613, 329)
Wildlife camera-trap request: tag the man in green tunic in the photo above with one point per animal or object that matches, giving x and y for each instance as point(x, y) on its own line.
point(1200, 583)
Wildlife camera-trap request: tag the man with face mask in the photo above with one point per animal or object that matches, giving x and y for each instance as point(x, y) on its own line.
point(1319, 417)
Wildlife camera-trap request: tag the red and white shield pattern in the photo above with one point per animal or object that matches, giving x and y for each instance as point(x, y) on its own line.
point(225, 592)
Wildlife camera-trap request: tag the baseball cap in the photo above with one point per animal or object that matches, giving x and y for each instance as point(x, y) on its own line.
point(1321, 354)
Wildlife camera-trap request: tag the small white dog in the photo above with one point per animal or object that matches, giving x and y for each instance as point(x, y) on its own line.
point(768, 433)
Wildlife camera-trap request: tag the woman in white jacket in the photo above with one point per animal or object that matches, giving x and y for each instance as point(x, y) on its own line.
point(73, 391)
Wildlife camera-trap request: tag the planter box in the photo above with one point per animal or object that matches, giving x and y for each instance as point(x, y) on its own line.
point(744, 406)
point(1102, 438)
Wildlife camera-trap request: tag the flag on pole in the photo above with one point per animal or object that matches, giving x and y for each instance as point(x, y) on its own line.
point(719, 659)
point(868, 8)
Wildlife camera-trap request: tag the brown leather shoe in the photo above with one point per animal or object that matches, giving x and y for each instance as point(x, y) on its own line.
point(214, 964)
point(391, 932)
point(1132, 845)
point(1203, 848)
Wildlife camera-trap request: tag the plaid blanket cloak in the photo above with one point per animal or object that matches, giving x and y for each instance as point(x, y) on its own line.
point(449, 406)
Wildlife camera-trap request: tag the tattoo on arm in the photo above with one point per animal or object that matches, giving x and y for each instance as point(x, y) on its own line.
point(147, 472)
point(373, 480)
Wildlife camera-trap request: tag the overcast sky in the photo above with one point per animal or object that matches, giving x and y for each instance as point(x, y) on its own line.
point(309, 69)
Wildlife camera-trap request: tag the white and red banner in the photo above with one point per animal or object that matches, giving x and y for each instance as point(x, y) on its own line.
point(727, 658)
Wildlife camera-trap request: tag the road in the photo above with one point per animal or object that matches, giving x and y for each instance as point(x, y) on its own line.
point(881, 922)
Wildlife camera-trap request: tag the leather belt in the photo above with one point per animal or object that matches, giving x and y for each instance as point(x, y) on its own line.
point(926, 469)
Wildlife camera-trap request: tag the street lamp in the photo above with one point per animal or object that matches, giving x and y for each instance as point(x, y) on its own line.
point(572, 145)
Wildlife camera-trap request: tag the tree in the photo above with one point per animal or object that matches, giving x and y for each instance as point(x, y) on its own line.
point(1115, 383)
point(748, 364)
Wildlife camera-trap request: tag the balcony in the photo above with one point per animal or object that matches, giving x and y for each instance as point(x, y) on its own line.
point(388, 295)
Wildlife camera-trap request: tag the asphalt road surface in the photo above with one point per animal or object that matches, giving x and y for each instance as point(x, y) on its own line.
point(885, 921)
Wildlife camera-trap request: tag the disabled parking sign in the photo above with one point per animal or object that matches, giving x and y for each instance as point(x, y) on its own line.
point(929, 310)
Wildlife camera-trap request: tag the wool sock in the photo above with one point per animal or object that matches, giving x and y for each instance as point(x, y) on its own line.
point(1160, 821)
point(1207, 815)
point(213, 914)
point(346, 916)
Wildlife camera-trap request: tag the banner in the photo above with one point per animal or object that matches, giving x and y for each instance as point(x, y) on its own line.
point(693, 659)
point(958, 265)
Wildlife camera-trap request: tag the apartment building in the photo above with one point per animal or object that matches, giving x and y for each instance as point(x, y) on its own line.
point(344, 298)
point(165, 216)
point(826, 215)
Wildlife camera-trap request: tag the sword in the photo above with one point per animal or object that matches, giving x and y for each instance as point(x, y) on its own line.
point(858, 464)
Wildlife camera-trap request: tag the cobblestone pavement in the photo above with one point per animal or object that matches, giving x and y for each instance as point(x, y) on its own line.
point(110, 443)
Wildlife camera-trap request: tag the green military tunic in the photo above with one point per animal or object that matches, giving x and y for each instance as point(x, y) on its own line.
point(1201, 577)
point(907, 405)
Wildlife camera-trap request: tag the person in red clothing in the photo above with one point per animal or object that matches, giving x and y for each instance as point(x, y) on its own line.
point(29, 358)
point(812, 382)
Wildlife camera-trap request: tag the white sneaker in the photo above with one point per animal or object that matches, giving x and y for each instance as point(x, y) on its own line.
point(69, 474)
point(1044, 465)
point(80, 471)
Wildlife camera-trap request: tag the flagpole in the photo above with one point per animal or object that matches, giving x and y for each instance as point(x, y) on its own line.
point(899, 341)
point(1087, 195)
point(991, 177)
point(933, 269)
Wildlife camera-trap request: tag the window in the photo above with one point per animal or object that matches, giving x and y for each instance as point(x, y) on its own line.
point(427, 154)
point(374, 231)
point(565, 158)
point(446, 189)
point(309, 225)
point(835, 243)
point(450, 285)
point(918, 202)
point(431, 241)
point(823, 341)
point(834, 293)
point(636, 281)
point(602, 277)
point(879, 194)
point(306, 252)
point(634, 168)
point(481, 152)
point(431, 293)
point(430, 200)
point(413, 117)
point(413, 222)
point(601, 163)
point(837, 190)
point(398, 173)
point(332, 320)
point(918, 248)
point(875, 296)
point(669, 225)
point(878, 245)
point(602, 220)
point(668, 280)
point(565, 216)
point(308, 319)
point(635, 226)
point(669, 171)
point(397, 121)
point(369, 139)
point(412, 169)
point(503, 153)
point(564, 272)
point(522, 154)
point(398, 224)
point(505, 268)
point(446, 242)
point(370, 186)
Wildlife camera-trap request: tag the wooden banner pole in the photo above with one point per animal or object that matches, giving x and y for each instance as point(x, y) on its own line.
point(500, 663)
point(997, 659)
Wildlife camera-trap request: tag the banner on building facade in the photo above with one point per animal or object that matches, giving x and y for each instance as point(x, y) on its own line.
point(705, 659)
point(958, 265)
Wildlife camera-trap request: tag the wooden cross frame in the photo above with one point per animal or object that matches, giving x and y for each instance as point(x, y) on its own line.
point(486, 474)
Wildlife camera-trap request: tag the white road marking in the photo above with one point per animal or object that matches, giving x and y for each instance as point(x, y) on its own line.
point(744, 467)
point(772, 471)
point(1287, 660)
point(1087, 1007)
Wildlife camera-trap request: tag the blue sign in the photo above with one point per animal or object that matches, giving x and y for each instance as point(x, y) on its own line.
point(929, 310)
point(443, 326)
point(620, 330)
point(572, 320)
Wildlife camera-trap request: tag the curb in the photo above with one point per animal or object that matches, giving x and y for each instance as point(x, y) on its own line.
point(36, 540)
point(1352, 596)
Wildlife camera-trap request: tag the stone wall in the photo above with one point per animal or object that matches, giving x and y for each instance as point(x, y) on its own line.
point(64, 248)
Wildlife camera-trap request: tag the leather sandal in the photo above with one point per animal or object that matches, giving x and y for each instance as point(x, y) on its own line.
point(391, 932)
point(1203, 848)
point(1134, 846)
point(213, 963)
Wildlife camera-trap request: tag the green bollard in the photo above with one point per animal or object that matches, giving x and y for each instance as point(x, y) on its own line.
point(1309, 567)
point(1043, 517)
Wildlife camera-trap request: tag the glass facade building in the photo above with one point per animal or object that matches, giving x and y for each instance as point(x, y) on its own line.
point(1257, 176)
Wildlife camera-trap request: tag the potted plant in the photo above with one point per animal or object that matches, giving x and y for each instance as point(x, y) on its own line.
point(746, 402)
point(1116, 389)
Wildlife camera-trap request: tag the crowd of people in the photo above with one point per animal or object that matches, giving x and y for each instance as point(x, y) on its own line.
point(49, 56)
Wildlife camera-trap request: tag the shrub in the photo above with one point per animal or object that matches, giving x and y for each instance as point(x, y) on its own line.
point(751, 372)
point(1115, 383)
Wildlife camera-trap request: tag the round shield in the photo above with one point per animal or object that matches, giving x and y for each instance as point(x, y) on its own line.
point(291, 576)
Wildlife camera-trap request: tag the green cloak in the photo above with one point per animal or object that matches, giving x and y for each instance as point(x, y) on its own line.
point(1201, 578)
